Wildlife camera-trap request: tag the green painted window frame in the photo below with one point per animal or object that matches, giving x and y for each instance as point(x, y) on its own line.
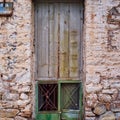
point(60, 82)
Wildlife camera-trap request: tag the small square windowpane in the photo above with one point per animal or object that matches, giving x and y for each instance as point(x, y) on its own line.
point(47, 97)
point(70, 96)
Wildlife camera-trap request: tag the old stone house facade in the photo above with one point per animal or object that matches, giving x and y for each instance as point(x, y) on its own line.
point(101, 61)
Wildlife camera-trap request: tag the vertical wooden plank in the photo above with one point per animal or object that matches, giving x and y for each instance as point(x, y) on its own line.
point(36, 40)
point(81, 42)
point(74, 40)
point(64, 49)
point(43, 41)
point(53, 40)
point(57, 37)
point(39, 43)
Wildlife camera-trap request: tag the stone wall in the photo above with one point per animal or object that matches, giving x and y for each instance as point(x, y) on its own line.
point(101, 56)
point(15, 62)
point(102, 48)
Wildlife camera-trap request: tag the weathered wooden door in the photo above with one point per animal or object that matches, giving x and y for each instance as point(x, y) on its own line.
point(58, 28)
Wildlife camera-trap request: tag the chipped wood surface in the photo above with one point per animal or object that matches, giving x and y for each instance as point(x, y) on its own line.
point(64, 41)
point(43, 40)
point(74, 38)
point(53, 40)
point(58, 40)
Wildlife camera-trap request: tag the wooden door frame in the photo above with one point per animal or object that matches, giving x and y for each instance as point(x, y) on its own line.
point(82, 63)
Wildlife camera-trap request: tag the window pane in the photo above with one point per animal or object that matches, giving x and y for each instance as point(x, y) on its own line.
point(70, 96)
point(47, 97)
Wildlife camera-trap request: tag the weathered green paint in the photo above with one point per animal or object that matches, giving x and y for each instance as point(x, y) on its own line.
point(36, 98)
point(59, 97)
point(70, 116)
point(48, 116)
point(81, 100)
point(60, 114)
point(45, 115)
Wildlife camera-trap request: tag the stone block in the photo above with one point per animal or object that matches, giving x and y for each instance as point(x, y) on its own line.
point(22, 103)
point(8, 113)
point(26, 114)
point(115, 109)
point(115, 85)
point(99, 109)
point(6, 118)
point(27, 108)
point(109, 91)
point(107, 116)
point(90, 118)
point(104, 98)
point(23, 78)
point(24, 89)
point(23, 96)
point(20, 118)
point(7, 104)
point(10, 96)
point(117, 115)
point(92, 88)
point(89, 114)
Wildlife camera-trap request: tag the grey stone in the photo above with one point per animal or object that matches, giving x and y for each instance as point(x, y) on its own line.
point(23, 96)
point(117, 116)
point(107, 116)
point(22, 103)
point(115, 109)
point(10, 96)
point(90, 118)
point(115, 85)
point(20, 118)
point(105, 98)
point(24, 89)
point(23, 78)
point(90, 114)
point(93, 88)
point(99, 109)
point(109, 91)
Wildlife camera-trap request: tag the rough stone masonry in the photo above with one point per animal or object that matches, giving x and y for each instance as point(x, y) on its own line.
point(101, 58)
